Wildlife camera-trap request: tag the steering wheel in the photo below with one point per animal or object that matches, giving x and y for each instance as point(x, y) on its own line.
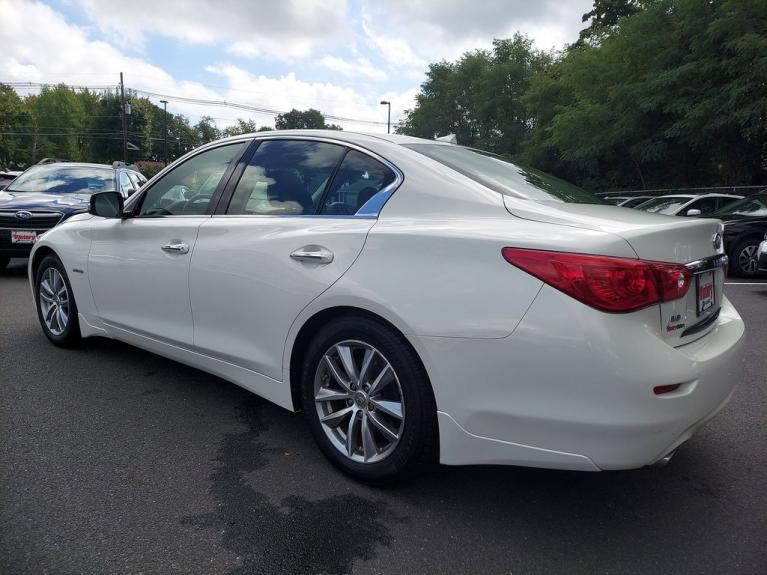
point(196, 199)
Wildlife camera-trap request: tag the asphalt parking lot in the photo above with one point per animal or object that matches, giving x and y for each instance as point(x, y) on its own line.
point(113, 460)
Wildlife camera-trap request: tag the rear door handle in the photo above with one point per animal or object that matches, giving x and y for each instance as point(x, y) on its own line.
point(315, 254)
point(176, 246)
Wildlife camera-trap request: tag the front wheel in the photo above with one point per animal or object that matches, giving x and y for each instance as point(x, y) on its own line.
point(368, 401)
point(56, 307)
point(744, 262)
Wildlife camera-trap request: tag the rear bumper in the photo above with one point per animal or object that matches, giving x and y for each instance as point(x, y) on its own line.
point(572, 388)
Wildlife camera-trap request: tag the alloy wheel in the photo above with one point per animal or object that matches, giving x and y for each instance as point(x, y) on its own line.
point(359, 401)
point(54, 301)
point(747, 259)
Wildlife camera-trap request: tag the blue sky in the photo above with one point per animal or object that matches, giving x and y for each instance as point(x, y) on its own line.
point(339, 56)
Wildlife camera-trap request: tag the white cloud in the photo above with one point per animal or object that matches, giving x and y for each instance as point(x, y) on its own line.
point(395, 50)
point(288, 92)
point(358, 68)
point(39, 45)
point(282, 29)
point(446, 29)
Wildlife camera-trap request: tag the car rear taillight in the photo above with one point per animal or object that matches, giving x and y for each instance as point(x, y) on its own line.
point(610, 284)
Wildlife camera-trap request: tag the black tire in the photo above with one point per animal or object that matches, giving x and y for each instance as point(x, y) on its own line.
point(736, 267)
point(70, 335)
point(4, 262)
point(417, 448)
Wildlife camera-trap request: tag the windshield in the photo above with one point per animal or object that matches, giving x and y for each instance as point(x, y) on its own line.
point(664, 204)
point(748, 206)
point(504, 177)
point(64, 179)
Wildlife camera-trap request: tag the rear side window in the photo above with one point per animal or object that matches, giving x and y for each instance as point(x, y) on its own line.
point(504, 177)
point(285, 177)
point(359, 178)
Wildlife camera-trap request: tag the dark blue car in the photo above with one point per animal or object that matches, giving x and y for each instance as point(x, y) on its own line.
point(46, 195)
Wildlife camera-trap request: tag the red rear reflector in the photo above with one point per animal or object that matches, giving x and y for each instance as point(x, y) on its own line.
point(610, 284)
point(661, 389)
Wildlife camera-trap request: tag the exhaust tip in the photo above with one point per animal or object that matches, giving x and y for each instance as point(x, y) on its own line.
point(663, 461)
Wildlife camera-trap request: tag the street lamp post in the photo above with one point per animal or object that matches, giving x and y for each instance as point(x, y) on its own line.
point(165, 132)
point(388, 116)
point(178, 147)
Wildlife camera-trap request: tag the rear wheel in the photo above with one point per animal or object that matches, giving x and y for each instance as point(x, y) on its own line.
point(56, 307)
point(368, 401)
point(744, 262)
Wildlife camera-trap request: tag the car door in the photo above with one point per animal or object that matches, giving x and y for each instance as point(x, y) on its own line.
point(288, 232)
point(139, 266)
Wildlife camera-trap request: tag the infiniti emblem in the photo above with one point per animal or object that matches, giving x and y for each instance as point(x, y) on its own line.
point(23, 215)
point(716, 239)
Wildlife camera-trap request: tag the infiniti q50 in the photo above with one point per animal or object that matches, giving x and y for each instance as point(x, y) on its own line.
point(419, 301)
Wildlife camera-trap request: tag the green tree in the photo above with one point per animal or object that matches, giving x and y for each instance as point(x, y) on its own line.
point(241, 127)
point(15, 119)
point(206, 130)
point(303, 120)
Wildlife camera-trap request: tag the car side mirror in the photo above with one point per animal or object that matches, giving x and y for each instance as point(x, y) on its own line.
point(692, 212)
point(106, 205)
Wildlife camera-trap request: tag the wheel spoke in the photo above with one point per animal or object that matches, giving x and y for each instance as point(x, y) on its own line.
point(49, 313)
point(336, 375)
point(369, 355)
point(325, 394)
point(345, 355)
point(383, 379)
point(393, 408)
point(46, 288)
point(62, 293)
point(62, 318)
point(350, 435)
point(387, 433)
point(369, 447)
point(45, 297)
point(56, 280)
point(334, 419)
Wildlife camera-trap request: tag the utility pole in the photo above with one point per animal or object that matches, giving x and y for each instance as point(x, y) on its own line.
point(388, 116)
point(125, 124)
point(165, 132)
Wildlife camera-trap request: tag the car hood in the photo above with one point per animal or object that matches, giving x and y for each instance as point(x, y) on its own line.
point(65, 203)
point(652, 236)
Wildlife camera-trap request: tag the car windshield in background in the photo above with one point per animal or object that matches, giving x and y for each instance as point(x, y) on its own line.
point(63, 179)
point(748, 206)
point(504, 177)
point(664, 205)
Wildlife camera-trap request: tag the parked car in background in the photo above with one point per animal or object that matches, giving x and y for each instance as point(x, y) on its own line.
point(49, 193)
point(417, 300)
point(745, 225)
point(7, 177)
point(615, 200)
point(687, 204)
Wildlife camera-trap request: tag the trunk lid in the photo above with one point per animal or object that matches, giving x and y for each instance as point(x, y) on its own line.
point(696, 243)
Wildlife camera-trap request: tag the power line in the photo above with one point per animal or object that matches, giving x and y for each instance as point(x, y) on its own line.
point(203, 102)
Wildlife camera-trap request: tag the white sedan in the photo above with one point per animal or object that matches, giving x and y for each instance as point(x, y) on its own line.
point(418, 300)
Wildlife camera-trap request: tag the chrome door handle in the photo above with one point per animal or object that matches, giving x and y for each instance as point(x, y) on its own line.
point(315, 254)
point(176, 246)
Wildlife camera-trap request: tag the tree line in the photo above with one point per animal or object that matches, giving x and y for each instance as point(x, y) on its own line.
point(86, 125)
point(655, 93)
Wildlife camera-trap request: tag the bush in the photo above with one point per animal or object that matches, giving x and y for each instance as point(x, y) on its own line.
point(149, 168)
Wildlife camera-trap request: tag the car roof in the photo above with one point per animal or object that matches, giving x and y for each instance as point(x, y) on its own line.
point(342, 135)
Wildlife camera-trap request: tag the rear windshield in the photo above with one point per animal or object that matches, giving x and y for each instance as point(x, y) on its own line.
point(748, 206)
point(664, 204)
point(64, 179)
point(504, 177)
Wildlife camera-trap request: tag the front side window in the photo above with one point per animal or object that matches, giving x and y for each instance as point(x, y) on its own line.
point(64, 179)
point(285, 177)
point(358, 179)
point(187, 190)
point(705, 205)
